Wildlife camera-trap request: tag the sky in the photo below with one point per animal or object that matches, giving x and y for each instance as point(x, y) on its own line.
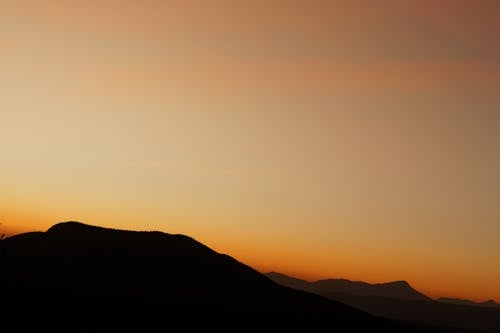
point(320, 139)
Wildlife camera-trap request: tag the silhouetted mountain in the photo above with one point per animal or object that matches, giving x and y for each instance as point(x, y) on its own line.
point(489, 303)
point(77, 277)
point(291, 282)
point(484, 319)
point(480, 319)
point(396, 289)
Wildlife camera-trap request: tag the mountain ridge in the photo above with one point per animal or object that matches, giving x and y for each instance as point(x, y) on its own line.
point(393, 289)
point(488, 303)
point(452, 314)
point(117, 279)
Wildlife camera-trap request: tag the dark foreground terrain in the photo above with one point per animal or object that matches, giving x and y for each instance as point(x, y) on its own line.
point(76, 277)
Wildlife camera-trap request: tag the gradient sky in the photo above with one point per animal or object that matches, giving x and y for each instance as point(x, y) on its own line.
point(354, 139)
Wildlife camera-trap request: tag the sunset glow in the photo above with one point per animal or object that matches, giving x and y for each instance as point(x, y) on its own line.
point(353, 139)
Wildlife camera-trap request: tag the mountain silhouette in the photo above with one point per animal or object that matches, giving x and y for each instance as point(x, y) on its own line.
point(396, 289)
point(401, 302)
point(76, 277)
point(489, 303)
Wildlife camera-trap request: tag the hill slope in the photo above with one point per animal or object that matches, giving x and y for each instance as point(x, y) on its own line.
point(404, 307)
point(396, 289)
point(459, 301)
point(76, 277)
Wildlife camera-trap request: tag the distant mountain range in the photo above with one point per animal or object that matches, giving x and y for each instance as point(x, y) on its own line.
point(398, 300)
point(81, 278)
point(489, 303)
point(396, 289)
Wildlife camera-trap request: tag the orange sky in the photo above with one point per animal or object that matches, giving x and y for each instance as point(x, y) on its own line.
point(354, 139)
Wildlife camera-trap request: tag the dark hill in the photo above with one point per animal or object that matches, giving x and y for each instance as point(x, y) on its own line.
point(395, 289)
point(397, 300)
point(459, 301)
point(76, 277)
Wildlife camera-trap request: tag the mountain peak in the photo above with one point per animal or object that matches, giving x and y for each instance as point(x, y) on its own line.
point(400, 289)
point(490, 301)
point(400, 284)
point(70, 226)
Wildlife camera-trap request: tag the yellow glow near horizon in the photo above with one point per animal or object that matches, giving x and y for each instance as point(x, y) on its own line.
point(320, 139)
